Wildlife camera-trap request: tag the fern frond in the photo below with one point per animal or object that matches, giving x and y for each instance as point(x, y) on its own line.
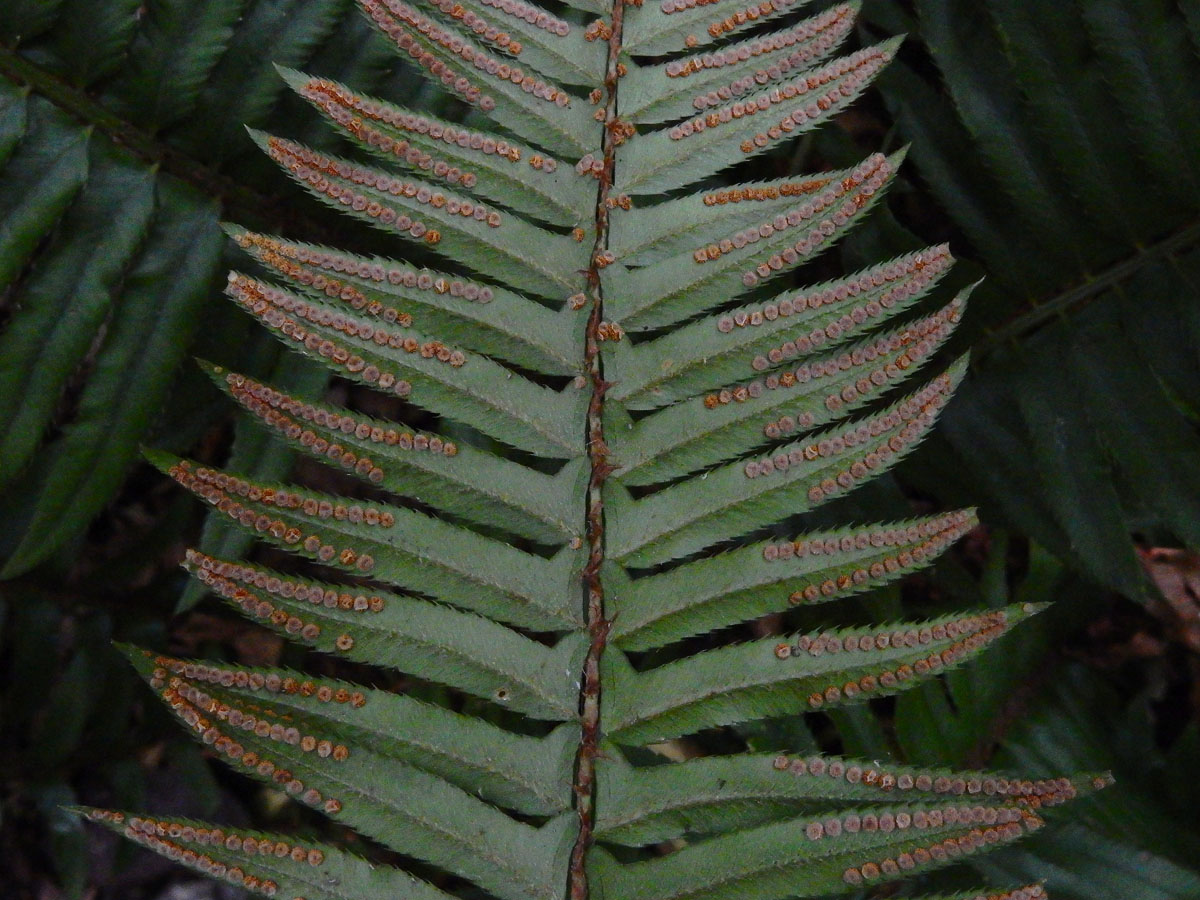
point(479, 316)
point(462, 480)
point(714, 351)
point(269, 864)
point(533, 579)
point(453, 222)
point(535, 108)
point(400, 360)
point(726, 793)
point(734, 499)
point(714, 271)
point(768, 678)
point(654, 164)
point(401, 546)
point(759, 579)
point(489, 165)
point(740, 416)
point(680, 87)
point(812, 857)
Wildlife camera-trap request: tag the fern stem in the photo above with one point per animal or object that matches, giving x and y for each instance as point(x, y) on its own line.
point(598, 626)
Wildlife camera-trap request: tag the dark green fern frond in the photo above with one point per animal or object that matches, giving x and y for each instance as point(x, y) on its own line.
point(1061, 140)
point(627, 392)
point(121, 148)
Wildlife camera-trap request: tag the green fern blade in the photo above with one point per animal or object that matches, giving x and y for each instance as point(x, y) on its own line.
point(725, 793)
point(728, 423)
point(484, 164)
point(405, 547)
point(713, 352)
point(782, 860)
point(47, 166)
point(460, 649)
point(65, 299)
point(171, 58)
point(734, 499)
point(541, 806)
point(674, 89)
point(713, 274)
point(474, 390)
point(655, 163)
point(544, 114)
point(499, 244)
point(14, 110)
point(656, 28)
point(769, 678)
point(276, 865)
point(548, 44)
point(761, 579)
point(476, 316)
point(399, 805)
point(473, 484)
point(244, 85)
point(645, 235)
point(515, 771)
point(74, 475)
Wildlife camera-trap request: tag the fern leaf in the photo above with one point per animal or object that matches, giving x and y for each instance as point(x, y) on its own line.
point(463, 650)
point(524, 773)
point(682, 86)
point(501, 170)
point(470, 314)
point(270, 864)
point(811, 857)
point(46, 153)
point(739, 417)
point(670, 25)
point(62, 309)
point(650, 234)
point(723, 793)
point(754, 581)
point(533, 578)
point(733, 499)
point(379, 796)
point(535, 108)
point(544, 41)
point(406, 547)
point(451, 221)
point(717, 350)
point(713, 272)
point(464, 481)
point(653, 165)
point(473, 389)
point(772, 678)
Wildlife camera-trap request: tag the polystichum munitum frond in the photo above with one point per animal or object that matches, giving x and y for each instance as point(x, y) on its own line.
point(669, 393)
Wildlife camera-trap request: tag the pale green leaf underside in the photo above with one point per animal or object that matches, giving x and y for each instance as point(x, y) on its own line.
point(514, 771)
point(459, 479)
point(823, 389)
point(460, 649)
point(724, 793)
point(779, 860)
point(770, 677)
point(203, 846)
point(460, 311)
point(669, 90)
point(530, 409)
point(489, 165)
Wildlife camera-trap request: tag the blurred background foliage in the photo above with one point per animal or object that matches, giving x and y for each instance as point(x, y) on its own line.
point(1055, 146)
